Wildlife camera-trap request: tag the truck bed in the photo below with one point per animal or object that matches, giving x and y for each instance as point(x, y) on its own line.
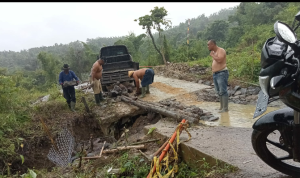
point(118, 58)
point(115, 72)
point(119, 66)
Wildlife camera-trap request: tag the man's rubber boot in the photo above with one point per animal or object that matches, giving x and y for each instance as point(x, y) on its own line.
point(72, 106)
point(143, 92)
point(69, 106)
point(101, 97)
point(221, 103)
point(225, 104)
point(147, 89)
point(97, 99)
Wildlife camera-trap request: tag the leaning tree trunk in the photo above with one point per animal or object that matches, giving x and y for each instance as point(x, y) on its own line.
point(162, 56)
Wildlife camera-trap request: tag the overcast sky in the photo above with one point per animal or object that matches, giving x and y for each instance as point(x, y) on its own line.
point(28, 25)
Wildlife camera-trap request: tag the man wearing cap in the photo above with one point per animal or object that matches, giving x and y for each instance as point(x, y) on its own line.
point(95, 76)
point(146, 76)
point(65, 80)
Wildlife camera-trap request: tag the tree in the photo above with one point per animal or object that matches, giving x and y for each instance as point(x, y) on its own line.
point(233, 36)
point(217, 30)
point(51, 65)
point(156, 20)
point(166, 49)
point(78, 61)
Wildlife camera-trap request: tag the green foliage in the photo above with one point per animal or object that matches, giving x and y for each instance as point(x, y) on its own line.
point(51, 66)
point(22, 158)
point(233, 36)
point(130, 166)
point(8, 92)
point(254, 13)
point(286, 15)
point(217, 30)
point(3, 71)
point(29, 174)
point(151, 130)
point(15, 114)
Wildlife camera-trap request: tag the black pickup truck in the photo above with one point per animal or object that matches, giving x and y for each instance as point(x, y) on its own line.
point(117, 64)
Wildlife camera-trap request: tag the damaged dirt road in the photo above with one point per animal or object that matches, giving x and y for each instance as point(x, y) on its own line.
point(228, 139)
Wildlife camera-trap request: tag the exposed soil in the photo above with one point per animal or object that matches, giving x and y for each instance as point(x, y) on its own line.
point(167, 88)
point(82, 126)
point(37, 146)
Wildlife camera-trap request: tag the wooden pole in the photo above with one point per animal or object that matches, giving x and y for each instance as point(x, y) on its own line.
point(102, 149)
point(85, 104)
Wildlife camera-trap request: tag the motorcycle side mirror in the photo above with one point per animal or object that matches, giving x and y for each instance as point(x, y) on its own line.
point(284, 33)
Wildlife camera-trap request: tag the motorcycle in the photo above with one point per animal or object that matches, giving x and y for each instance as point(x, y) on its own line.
point(276, 135)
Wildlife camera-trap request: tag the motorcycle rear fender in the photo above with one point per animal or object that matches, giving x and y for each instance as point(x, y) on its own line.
point(279, 117)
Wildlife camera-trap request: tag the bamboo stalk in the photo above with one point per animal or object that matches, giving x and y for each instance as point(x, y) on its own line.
point(116, 150)
point(102, 149)
point(124, 148)
point(148, 141)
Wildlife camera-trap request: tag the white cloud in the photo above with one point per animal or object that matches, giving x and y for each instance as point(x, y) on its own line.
point(27, 25)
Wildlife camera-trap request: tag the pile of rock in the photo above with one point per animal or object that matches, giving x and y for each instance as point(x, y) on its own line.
point(244, 95)
point(175, 70)
point(120, 89)
point(207, 94)
point(236, 95)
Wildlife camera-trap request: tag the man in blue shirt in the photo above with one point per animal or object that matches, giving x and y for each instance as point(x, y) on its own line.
point(65, 78)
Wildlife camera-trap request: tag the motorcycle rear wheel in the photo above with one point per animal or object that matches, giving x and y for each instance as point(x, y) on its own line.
point(259, 143)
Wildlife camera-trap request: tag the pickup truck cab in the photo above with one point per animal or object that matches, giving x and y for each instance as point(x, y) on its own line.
point(117, 64)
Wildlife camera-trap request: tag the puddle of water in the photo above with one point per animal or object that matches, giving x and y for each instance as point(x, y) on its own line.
point(163, 88)
point(239, 115)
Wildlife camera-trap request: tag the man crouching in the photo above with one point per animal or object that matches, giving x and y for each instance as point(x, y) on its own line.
point(146, 76)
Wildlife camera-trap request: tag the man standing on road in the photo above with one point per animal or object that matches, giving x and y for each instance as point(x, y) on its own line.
point(95, 76)
point(220, 73)
point(65, 80)
point(146, 76)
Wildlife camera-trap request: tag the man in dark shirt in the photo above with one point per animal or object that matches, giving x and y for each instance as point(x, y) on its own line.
point(66, 81)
